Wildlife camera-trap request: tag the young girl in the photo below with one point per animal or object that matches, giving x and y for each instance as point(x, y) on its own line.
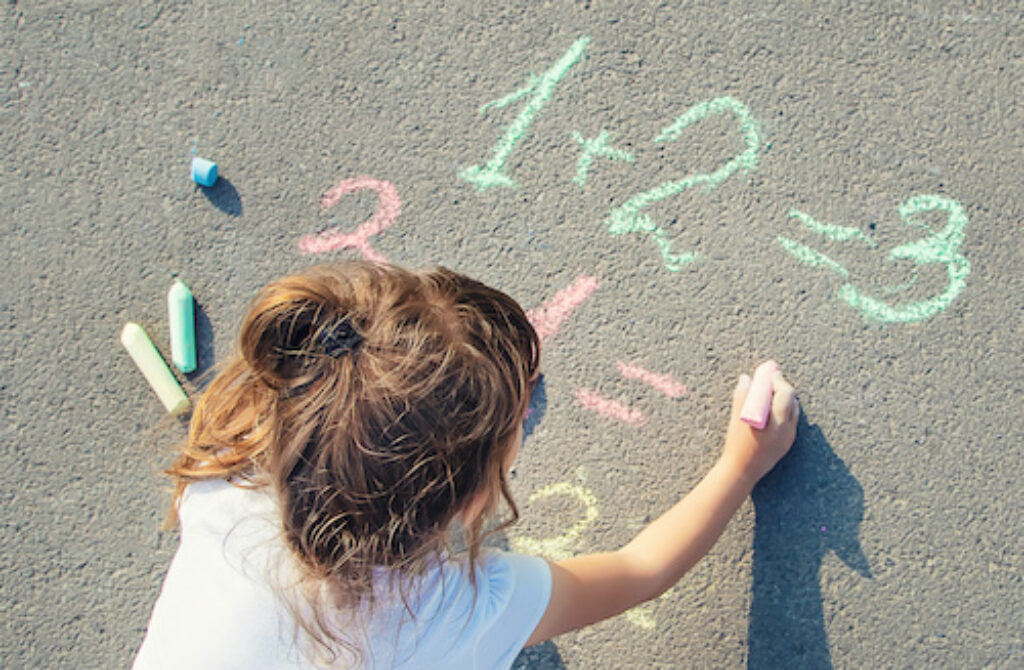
point(367, 424)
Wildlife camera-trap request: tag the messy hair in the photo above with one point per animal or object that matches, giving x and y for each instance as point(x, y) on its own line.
point(375, 442)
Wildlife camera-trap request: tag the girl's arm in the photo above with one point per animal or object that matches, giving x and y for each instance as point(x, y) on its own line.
point(588, 589)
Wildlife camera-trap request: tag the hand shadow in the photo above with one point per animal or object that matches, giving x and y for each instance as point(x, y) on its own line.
point(808, 505)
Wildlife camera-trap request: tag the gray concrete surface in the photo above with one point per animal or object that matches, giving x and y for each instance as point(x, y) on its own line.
point(890, 538)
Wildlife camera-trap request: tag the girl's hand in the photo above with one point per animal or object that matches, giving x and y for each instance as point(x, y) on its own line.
point(752, 453)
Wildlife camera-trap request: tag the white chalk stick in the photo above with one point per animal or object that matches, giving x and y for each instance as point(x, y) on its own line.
point(153, 368)
point(758, 404)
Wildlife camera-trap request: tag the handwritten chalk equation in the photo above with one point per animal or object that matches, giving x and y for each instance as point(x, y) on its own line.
point(939, 248)
point(548, 320)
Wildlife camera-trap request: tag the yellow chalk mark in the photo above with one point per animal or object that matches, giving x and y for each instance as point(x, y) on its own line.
point(562, 546)
point(641, 617)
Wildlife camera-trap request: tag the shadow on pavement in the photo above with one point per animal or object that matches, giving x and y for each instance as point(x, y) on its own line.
point(537, 408)
point(224, 197)
point(205, 357)
point(808, 505)
point(543, 656)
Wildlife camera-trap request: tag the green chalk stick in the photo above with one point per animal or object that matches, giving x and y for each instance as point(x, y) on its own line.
point(182, 318)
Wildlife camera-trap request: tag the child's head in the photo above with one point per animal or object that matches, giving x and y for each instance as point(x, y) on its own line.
point(379, 403)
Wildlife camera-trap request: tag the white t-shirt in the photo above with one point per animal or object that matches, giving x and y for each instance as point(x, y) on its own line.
point(218, 608)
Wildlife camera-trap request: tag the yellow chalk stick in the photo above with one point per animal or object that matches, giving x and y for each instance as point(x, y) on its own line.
point(153, 368)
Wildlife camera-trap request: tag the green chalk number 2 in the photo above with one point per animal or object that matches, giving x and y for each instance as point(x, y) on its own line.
point(627, 218)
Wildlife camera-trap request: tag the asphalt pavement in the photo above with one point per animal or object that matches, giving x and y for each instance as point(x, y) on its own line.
point(678, 190)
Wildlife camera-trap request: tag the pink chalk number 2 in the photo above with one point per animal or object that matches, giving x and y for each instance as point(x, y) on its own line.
point(389, 206)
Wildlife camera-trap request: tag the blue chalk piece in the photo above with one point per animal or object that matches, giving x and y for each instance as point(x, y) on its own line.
point(204, 172)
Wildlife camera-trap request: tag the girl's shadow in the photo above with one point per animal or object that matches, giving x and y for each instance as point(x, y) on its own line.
point(543, 656)
point(808, 505)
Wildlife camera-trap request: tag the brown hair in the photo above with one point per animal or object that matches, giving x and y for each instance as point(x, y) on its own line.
point(374, 450)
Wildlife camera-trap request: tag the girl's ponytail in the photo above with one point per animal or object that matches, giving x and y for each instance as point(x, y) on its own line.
point(295, 334)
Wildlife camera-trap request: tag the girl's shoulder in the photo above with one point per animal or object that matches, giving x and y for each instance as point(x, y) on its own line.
point(225, 580)
point(220, 489)
point(218, 504)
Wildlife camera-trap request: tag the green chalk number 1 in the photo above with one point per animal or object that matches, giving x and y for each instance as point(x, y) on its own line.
point(539, 90)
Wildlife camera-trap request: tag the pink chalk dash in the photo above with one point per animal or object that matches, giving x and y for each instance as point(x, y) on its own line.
point(660, 382)
point(550, 316)
point(610, 408)
point(389, 206)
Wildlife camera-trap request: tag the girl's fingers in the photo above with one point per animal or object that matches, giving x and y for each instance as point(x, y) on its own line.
point(784, 402)
point(739, 395)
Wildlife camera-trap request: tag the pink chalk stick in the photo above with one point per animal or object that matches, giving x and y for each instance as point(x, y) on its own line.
point(759, 398)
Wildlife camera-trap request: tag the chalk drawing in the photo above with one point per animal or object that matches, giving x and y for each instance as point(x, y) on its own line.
point(562, 546)
point(550, 316)
point(627, 218)
point(942, 247)
point(389, 206)
point(663, 383)
point(834, 233)
point(565, 546)
point(595, 147)
point(539, 89)
point(808, 256)
point(610, 408)
point(641, 617)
